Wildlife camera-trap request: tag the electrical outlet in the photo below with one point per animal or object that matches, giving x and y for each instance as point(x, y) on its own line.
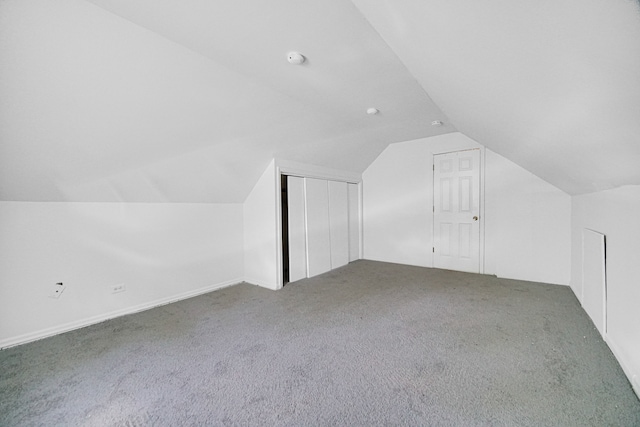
point(118, 288)
point(57, 290)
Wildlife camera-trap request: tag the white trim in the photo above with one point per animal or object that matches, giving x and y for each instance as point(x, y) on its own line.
point(260, 283)
point(306, 228)
point(329, 222)
point(433, 208)
point(604, 280)
point(481, 201)
point(582, 269)
point(634, 379)
point(361, 219)
point(278, 196)
point(312, 171)
point(67, 327)
point(482, 209)
point(302, 170)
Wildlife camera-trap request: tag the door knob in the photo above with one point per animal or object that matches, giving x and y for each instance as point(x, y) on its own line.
point(475, 218)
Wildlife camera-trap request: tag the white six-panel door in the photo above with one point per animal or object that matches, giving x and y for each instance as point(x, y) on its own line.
point(456, 216)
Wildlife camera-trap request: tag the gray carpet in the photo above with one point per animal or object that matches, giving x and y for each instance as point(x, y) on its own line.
point(368, 344)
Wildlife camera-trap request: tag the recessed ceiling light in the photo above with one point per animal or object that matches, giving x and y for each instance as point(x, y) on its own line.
point(371, 111)
point(295, 58)
point(436, 123)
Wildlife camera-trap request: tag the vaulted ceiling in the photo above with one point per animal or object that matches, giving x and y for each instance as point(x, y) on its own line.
point(188, 100)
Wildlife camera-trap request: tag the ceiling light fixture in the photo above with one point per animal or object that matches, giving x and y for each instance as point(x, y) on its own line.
point(436, 123)
point(295, 58)
point(371, 111)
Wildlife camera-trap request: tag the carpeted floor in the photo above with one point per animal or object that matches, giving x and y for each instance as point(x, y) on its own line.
point(368, 344)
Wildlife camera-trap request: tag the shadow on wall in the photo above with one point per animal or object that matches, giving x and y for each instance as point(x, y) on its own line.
point(614, 214)
point(158, 251)
point(398, 229)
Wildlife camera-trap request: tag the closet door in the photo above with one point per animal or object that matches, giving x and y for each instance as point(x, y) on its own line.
point(297, 229)
point(318, 236)
point(354, 222)
point(339, 223)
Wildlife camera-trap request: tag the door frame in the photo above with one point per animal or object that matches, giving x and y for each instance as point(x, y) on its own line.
point(481, 201)
point(284, 230)
point(285, 167)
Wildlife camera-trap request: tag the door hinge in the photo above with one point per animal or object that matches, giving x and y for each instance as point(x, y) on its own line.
point(433, 250)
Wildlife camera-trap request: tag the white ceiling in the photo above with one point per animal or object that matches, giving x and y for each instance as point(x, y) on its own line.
point(553, 85)
point(188, 100)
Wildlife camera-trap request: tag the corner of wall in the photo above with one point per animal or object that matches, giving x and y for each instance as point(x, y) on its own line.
point(260, 231)
point(163, 252)
point(613, 213)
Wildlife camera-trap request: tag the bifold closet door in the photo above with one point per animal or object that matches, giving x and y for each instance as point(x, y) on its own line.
point(297, 231)
point(339, 223)
point(354, 222)
point(318, 235)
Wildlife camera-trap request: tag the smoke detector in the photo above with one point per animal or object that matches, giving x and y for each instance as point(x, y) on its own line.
point(437, 123)
point(372, 111)
point(295, 58)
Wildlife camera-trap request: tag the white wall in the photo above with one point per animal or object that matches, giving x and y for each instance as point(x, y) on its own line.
point(615, 214)
point(397, 200)
point(161, 252)
point(262, 219)
point(528, 224)
point(526, 229)
point(261, 258)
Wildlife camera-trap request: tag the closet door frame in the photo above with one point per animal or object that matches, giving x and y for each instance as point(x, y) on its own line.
point(309, 171)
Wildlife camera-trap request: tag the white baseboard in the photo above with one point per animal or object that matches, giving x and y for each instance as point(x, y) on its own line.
point(77, 324)
point(262, 284)
point(626, 368)
point(634, 379)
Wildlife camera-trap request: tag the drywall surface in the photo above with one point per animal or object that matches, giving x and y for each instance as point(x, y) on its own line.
point(525, 228)
point(137, 101)
point(527, 224)
point(262, 219)
point(614, 213)
point(160, 252)
point(397, 199)
point(260, 232)
point(553, 86)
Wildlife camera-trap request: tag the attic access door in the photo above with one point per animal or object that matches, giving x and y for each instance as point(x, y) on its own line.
point(456, 211)
point(594, 278)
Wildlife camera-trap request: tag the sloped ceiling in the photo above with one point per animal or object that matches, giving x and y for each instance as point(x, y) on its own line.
point(188, 100)
point(552, 85)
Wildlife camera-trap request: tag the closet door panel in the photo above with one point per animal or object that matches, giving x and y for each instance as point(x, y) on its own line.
point(297, 229)
point(354, 222)
point(339, 223)
point(318, 236)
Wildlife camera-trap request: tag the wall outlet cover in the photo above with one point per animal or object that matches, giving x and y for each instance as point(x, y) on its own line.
point(120, 287)
point(57, 290)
